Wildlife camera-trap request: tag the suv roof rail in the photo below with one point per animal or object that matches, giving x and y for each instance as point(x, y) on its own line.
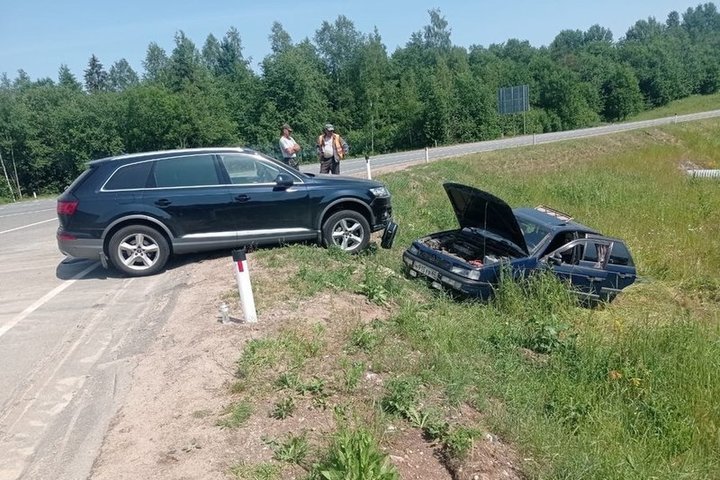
point(554, 213)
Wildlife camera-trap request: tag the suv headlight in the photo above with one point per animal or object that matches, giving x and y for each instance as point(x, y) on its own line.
point(380, 192)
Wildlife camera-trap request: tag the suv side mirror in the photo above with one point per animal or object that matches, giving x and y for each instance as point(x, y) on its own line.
point(284, 180)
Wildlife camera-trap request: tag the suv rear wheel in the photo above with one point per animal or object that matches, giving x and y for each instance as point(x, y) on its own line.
point(348, 230)
point(137, 250)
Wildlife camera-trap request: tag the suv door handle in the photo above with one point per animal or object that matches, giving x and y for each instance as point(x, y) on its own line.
point(163, 202)
point(242, 198)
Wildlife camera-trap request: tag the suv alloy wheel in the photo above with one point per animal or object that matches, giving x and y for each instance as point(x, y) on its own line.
point(138, 250)
point(348, 230)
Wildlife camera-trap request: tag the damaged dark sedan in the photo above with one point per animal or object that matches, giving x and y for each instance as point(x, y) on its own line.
point(492, 236)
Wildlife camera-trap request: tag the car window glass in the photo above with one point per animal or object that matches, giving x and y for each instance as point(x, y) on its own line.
point(129, 177)
point(191, 171)
point(532, 232)
point(560, 239)
point(591, 252)
point(619, 255)
point(79, 180)
point(245, 169)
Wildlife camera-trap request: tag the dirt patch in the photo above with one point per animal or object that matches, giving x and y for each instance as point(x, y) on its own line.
point(166, 427)
point(187, 383)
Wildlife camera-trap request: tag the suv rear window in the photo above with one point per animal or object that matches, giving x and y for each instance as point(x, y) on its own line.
point(79, 180)
point(192, 171)
point(129, 177)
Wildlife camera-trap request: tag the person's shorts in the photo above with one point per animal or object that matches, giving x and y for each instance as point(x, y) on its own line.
point(291, 162)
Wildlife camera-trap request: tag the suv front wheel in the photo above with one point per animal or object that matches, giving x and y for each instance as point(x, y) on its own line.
point(348, 230)
point(137, 250)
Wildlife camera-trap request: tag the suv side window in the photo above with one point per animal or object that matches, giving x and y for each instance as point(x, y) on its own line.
point(246, 169)
point(190, 171)
point(129, 177)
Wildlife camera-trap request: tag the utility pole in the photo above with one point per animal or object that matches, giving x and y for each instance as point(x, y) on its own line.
point(12, 193)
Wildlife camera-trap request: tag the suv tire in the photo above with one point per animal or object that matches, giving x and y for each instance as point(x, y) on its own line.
point(348, 230)
point(137, 250)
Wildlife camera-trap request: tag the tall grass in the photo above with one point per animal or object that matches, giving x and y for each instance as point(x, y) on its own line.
point(627, 390)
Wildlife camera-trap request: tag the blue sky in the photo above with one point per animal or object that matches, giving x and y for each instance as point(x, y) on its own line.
point(38, 36)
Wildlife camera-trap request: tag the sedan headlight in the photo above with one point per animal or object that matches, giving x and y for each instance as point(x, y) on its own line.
point(466, 272)
point(413, 249)
point(380, 192)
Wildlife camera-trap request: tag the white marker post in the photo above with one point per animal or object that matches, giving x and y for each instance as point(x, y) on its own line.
point(427, 156)
point(367, 167)
point(242, 275)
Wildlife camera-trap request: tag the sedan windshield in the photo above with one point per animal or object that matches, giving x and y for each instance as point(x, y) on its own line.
point(533, 232)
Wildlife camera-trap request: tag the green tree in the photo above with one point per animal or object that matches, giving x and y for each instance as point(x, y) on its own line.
point(596, 33)
point(96, 78)
point(621, 94)
point(121, 76)
point(293, 87)
point(436, 35)
point(184, 66)
point(66, 79)
point(211, 54)
point(22, 80)
point(280, 40)
point(231, 61)
point(155, 64)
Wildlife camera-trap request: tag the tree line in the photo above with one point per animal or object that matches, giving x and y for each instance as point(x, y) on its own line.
point(429, 92)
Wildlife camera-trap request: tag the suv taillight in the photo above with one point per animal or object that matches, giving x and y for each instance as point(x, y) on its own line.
point(65, 207)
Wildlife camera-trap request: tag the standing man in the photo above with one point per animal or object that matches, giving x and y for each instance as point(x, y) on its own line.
point(331, 149)
point(289, 147)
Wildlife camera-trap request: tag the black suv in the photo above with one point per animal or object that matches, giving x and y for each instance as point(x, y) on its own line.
point(136, 210)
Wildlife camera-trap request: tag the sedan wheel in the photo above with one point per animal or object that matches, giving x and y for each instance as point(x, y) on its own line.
point(348, 230)
point(138, 250)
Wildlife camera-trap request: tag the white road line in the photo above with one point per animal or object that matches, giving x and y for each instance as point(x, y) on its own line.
point(26, 226)
point(26, 213)
point(46, 298)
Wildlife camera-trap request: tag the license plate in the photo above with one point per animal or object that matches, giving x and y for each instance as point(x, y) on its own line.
point(427, 271)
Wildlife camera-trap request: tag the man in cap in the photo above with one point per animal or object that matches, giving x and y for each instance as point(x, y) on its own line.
point(289, 147)
point(331, 149)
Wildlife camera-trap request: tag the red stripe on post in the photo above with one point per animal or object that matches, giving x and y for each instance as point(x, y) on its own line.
point(240, 266)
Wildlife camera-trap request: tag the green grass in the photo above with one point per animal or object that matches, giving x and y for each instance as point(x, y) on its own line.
point(292, 449)
point(627, 390)
point(354, 455)
point(263, 471)
point(691, 104)
point(236, 415)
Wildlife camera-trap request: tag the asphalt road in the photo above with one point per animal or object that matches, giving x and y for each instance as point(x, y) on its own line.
point(357, 166)
point(70, 331)
point(69, 335)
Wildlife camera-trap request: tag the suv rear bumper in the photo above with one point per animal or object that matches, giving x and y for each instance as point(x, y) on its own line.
point(91, 248)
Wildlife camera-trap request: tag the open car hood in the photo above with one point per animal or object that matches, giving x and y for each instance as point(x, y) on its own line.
point(477, 209)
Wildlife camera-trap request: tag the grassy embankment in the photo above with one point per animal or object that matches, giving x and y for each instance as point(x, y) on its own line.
point(691, 104)
point(626, 391)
